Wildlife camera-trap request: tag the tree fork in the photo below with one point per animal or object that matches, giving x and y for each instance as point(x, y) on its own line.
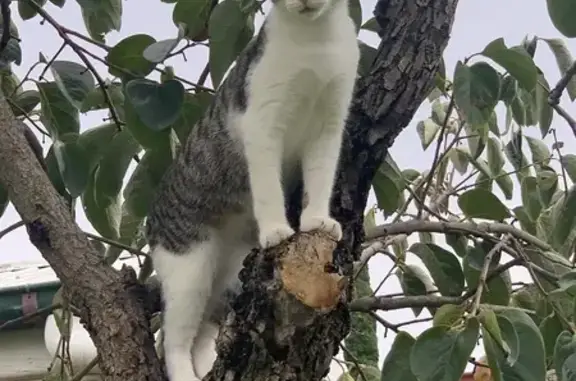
point(257, 341)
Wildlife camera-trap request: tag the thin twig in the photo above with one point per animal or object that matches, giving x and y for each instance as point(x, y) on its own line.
point(86, 369)
point(355, 361)
point(387, 303)
point(556, 92)
point(562, 166)
point(27, 317)
point(117, 244)
point(477, 229)
point(484, 273)
point(80, 53)
point(11, 228)
point(60, 49)
point(437, 157)
point(204, 75)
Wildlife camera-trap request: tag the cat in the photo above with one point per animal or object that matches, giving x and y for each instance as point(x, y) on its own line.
point(276, 120)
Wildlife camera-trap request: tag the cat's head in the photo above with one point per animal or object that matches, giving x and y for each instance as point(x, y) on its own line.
point(307, 9)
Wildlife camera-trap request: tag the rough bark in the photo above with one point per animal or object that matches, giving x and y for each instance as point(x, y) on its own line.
point(110, 301)
point(286, 323)
point(267, 336)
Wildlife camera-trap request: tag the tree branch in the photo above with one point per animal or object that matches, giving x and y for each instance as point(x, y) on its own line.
point(480, 230)
point(110, 301)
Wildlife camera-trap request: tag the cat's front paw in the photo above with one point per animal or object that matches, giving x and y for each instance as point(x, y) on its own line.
point(323, 223)
point(273, 234)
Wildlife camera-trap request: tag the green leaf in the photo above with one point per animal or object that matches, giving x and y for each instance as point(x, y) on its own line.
point(25, 101)
point(12, 53)
point(101, 17)
point(193, 108)
point(513, 151)
point(397, 362)
point(58, 3)
point(505, 183)
point(477, 137)
point(72, 162)
point(58, 115)
point(441, 354)
point(547, 185)
point(414, 281)
point(479, 203)
point(131, 234)
point(569, 163)
point(443, 266)
point(562, 14)
point(146, 136)
point(531, 197)
point(564, 348)
point(497, 290)
point(367, 56)
point(194, 14)
point(388, 189)
point(566, 220)
point(27, 11)
point(476, 91)
point(495, 156)
point(459, 159)
point(550, 328)
point(104, 218)
point(73, 80)
point(545, 111)
point(540, 153)
point(458, 242)
point(371, 25)
point(158, 51)
point(126, 58)
point(110, 173)
point(448, 315)
point(94, 142)
point(530, 365)
point(427, 130)
point(54, 175)
point(140, 188)
point(157, 105)
point(517, 62)
point(362, 342)
point(230, 30)
point(95, 100)
point(564, 61)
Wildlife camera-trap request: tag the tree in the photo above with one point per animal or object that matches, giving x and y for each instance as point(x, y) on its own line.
point(465, 283)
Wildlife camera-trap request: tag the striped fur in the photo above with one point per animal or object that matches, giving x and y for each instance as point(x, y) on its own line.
point(276, 121)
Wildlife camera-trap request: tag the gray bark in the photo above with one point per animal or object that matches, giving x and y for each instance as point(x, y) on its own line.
point(289, 319)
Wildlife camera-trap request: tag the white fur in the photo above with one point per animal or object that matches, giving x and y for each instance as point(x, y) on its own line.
point(300, 93)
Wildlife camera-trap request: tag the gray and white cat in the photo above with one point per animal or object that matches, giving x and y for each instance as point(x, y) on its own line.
point(277, 118)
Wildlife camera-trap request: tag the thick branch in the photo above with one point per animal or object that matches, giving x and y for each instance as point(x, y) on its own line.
point(414, 37)
point(481, 230)
point(110, 302)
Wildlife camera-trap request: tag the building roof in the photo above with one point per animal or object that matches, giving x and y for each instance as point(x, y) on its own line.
point(27, 287)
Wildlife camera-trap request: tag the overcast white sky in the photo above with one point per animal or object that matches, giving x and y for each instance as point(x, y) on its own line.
point(477, 23)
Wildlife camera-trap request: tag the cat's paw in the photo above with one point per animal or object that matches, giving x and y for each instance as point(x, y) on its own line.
point(323, 223)
point(273, 234)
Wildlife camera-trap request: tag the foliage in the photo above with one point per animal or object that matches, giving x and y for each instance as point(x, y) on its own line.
point(469, 234)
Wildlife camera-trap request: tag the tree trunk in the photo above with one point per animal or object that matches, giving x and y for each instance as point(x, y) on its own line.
point(271, 333)
point(290, 317)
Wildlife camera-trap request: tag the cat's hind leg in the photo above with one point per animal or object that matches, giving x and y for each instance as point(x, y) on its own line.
point(187, 280)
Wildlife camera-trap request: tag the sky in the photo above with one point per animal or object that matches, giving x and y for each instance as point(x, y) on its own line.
point(477, 22)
